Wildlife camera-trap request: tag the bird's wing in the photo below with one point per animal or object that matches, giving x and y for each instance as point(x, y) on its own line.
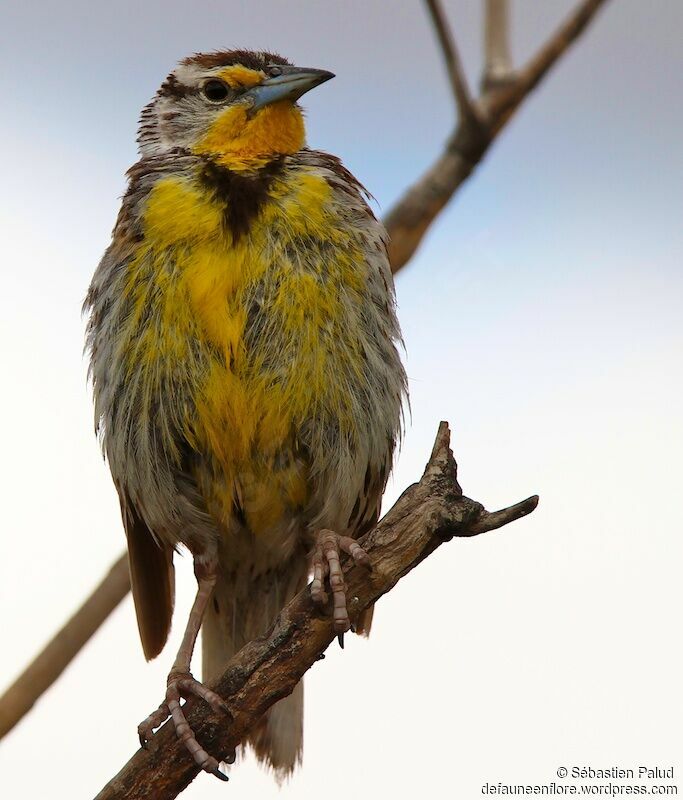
point(152, 578)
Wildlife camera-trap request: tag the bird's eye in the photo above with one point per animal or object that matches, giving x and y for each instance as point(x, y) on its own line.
point(215, 91)
point(274, 71)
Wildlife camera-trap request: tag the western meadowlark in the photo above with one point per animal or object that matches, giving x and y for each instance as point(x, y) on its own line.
point(248, 389)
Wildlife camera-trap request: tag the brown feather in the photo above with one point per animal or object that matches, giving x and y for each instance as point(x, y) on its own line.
point(152, 579)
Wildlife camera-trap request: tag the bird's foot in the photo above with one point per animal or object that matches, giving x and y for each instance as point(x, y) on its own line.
point(182, 684)
point(326, 555)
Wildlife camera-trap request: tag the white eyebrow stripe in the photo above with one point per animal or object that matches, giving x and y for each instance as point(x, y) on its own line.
point(191, 74)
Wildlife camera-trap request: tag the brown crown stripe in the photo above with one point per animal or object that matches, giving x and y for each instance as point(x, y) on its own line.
point(228, 58)
point(242, 196)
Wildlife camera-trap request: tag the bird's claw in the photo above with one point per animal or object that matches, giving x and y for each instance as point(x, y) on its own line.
point(184, 685)
point(219, 774)
point(147, 727)
point(326, 563)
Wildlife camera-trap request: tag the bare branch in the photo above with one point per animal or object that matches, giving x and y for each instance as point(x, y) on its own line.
point(49, 664)
point(500, 104)
point(408, 221)
point(489, 521)
point(267, 669)
point(498, 63)
point(411, 216)
point(450, 54)
point(568, 32)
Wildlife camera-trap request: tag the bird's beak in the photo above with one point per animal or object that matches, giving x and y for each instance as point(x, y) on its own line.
point(290, 85)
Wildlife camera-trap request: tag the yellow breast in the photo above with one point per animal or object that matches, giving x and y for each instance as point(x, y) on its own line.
point(202, 283)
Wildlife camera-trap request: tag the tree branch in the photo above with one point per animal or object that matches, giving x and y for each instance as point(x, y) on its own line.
point(497, 62)
point(411, 216)
point(450, 54)
point(500, 103)
point(49, 664)
point(267, 669)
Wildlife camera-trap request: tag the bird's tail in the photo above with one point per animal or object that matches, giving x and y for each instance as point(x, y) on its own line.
point(242, 608)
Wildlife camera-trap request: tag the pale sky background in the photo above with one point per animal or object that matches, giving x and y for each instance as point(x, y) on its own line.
point(542, 318)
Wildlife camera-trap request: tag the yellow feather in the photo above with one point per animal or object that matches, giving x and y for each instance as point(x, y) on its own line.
point(176, 211)
point(241, 142)
point(240, 77)
point(202, 277)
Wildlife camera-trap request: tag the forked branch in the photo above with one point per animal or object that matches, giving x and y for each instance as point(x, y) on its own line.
point(409, 219)
point(426, 515)
point(501, 102)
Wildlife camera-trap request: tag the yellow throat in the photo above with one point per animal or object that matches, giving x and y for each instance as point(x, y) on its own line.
point(240, 141)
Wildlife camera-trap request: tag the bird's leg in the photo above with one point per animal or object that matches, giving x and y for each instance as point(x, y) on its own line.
point(181, 682)
point(326, 561)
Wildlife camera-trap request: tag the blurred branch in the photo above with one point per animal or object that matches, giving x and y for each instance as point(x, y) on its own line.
point(427, 514)
point(410, 218)
point(49, 664)
point(407, 222)
point(501, 103)
point(452, 59)
point(497, 63)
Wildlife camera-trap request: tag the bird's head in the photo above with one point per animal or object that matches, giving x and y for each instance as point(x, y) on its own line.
point(237, 107)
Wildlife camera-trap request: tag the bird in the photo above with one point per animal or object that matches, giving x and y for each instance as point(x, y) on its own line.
point(245, 361)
